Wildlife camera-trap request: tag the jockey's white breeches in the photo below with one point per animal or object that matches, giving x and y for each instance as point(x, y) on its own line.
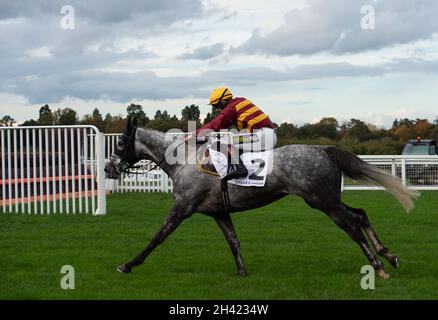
point(266, 139)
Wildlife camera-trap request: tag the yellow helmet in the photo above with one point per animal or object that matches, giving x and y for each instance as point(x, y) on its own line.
point(220, 94)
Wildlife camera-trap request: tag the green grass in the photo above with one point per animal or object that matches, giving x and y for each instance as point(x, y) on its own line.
point(290, 250)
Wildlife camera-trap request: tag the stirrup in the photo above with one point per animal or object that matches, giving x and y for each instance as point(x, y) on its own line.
point(236, 171)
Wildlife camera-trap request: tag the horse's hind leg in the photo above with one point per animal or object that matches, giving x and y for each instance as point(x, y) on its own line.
point(354, 230)
point(226, 225)
point(341, 216)
point(362, 218)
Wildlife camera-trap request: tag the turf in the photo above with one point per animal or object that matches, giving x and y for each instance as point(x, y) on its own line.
point(290, 250)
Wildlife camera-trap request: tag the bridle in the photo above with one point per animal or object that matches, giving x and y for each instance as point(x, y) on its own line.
point(128, 143)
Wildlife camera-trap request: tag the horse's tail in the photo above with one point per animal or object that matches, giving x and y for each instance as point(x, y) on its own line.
point(359, 170)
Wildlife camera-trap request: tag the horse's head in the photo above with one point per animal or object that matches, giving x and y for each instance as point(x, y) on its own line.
point(124, 155)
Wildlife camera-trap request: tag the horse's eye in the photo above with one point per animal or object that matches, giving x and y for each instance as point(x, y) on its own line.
point(120, 144)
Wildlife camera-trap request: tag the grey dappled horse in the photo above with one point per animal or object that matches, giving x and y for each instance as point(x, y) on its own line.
point(311, 172)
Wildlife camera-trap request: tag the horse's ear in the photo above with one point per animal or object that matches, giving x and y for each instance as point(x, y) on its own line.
point(128, 124)
point(134, 121)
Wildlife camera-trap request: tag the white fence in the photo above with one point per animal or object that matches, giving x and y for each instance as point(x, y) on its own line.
point(60, 169)
point(416, 172)
point(52, 169)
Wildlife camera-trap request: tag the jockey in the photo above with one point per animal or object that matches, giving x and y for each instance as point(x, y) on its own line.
point(244, 115)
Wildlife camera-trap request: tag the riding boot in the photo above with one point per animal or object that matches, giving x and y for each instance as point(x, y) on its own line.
point(236, 171)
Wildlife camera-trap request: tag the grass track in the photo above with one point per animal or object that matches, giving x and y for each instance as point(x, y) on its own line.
point(290, 250)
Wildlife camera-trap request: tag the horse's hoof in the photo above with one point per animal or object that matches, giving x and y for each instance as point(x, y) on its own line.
point(382, 274)
point(123, 269)
point(395, 262)
point(241, 273)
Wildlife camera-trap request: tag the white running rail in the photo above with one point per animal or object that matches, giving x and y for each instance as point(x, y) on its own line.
point(52, 169)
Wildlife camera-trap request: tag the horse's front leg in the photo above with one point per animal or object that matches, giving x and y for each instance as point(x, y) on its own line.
point(172, 222)
point(226, 225)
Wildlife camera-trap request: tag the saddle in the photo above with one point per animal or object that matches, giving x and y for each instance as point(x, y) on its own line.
point(206, 165)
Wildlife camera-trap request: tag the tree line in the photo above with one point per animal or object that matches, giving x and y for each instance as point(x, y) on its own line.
point(354, 135)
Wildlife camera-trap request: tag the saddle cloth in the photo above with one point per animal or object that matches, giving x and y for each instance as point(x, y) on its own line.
point(257, 163)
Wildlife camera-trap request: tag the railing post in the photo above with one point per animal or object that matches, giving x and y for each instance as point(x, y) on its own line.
point(100, 160)
point(164, 181)
point(403, 171)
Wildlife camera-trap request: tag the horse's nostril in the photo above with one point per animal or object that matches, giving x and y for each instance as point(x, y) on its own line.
point(106, 169)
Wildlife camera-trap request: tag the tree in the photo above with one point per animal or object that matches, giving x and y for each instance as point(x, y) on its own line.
point(162, 116)
point(97, 119)
point(422, 128)
point(326, 127)
point(46, 116)
point(164, 122)
point(190, 113)
point(404, 133)
point(94, 119)
point(65, 116)
point(136, 110)
point(357, 129)
point(7, 121)
point(305, 132)
point(407, 122)
point(29, 123)
point(107, 123)
point(118, 124)
point(287, 130)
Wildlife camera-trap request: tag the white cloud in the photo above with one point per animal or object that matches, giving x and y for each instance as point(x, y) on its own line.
point(334, 26)
point(41, 52)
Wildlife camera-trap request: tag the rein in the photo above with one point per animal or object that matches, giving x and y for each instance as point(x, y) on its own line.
point(224, 184)
point(138, 167)
point(130, 139)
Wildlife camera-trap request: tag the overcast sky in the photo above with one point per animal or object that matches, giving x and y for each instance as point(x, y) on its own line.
point(298, 60)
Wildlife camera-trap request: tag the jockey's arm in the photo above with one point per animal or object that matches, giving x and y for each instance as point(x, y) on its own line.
point(222, 121)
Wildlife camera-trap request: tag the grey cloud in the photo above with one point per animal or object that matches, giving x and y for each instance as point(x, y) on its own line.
point(114, 86)
point(334, 26)
point(92, 45)
point(251, 76)
point(99, 23)
point(205, 52)
point(104, 11)
point(122, 87)
point(73, 70)
point(44, 67)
